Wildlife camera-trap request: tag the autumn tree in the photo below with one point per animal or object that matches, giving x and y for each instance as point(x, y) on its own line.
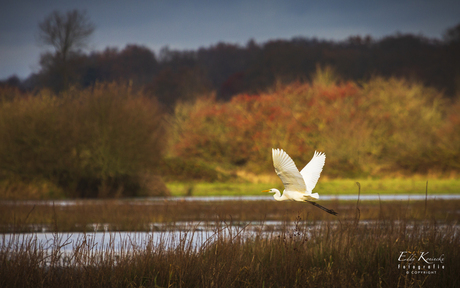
point(66, 33)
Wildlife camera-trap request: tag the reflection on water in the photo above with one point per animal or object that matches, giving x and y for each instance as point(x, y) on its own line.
point(146, 201)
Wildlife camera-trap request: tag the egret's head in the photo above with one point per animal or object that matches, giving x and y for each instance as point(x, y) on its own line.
point(273, 190)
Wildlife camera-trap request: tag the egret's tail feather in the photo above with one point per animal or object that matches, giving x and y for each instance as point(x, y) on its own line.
point(330, 211)
point(311, 197)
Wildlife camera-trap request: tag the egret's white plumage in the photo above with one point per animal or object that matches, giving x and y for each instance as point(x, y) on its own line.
point(298, 186)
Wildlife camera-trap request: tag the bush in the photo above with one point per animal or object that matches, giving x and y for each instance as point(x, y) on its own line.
point(93, 143)
point(382, 126)
point(447, 140)
point(178, 169)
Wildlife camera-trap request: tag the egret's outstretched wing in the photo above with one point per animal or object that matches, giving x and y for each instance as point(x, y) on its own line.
point(312, 170)
point(287, 171)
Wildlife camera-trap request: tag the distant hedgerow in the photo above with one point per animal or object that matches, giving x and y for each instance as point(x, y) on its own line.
point(97, 142)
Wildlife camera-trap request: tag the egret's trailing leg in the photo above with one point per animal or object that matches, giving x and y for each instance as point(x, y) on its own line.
point(330, 211)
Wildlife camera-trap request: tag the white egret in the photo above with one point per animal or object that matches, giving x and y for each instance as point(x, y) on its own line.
point(298, 186)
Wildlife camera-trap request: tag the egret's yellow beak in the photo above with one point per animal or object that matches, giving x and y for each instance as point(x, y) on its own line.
point(266, 191)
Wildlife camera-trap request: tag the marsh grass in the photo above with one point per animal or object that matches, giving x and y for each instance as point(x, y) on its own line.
point(138, 215)
point(343, 253)
point(360, 248)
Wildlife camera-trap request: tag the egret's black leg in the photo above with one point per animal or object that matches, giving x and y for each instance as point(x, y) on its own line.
point(330, 211)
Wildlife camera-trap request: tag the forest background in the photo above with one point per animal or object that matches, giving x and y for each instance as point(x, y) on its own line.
point(120, 122)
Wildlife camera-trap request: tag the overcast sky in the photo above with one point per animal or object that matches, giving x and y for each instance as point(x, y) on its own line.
point(200, 23)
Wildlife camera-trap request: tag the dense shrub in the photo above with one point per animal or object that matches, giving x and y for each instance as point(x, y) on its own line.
point(382, 126)
point(92, 143)
point(448, 139)
point(180, 169)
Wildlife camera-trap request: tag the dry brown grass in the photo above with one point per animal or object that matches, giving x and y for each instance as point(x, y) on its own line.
point(326, 254)
point(136, 215)
point(359, 248)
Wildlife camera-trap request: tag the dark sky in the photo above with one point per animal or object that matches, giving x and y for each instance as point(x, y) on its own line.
point(190, 24)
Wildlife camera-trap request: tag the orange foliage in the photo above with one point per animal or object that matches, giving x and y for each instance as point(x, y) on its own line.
point(363, 130)
point(244, 129)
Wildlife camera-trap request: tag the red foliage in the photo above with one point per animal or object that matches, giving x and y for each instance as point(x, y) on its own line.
point(248, 126)
point(351, 121)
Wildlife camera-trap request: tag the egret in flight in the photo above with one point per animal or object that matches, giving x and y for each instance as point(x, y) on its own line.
point(298, 186)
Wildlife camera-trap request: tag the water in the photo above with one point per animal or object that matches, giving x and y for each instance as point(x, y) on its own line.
point(86, 249)
point(193, 234)
point(322, 197)
point(93, 248)
point(104, 241)
point(144, 201)
point(64, 248)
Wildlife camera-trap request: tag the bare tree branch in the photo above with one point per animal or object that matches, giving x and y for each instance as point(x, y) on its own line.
point(66, 33)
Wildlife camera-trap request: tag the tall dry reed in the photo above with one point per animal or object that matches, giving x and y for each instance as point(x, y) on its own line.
point(329, 253)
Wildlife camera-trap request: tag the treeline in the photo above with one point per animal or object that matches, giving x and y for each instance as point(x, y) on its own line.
point(230, 69)
point(110, 140)
point(386, 107)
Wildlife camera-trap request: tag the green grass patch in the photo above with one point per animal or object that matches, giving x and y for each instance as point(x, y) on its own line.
point(388, 186)
point(217, 189)
point(324, 187)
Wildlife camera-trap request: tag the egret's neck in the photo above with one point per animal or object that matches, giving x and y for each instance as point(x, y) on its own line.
point(277, 195)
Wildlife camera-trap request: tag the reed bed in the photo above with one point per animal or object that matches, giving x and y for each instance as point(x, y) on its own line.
point(360, 248)
point(331, 254)
point(138, 215)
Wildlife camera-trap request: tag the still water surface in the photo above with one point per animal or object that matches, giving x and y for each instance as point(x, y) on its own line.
point(195, 235)
point(192, 234)
point(145, 201)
